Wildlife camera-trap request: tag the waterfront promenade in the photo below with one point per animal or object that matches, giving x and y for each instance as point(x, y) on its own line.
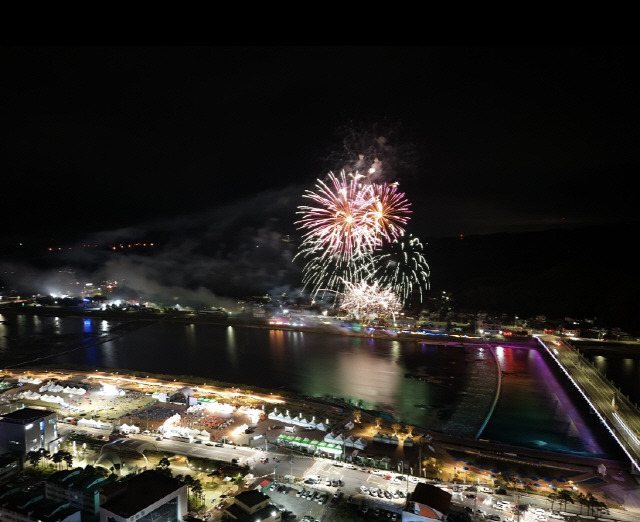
point(615, 410)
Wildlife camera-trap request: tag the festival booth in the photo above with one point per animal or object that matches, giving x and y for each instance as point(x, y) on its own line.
point(298, 420)
point(334, 438)
point(126, 429)
point(359, 443)
point(91, 423)
point(310, 445)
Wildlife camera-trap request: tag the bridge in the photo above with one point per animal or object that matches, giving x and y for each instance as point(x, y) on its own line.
point(616, 412)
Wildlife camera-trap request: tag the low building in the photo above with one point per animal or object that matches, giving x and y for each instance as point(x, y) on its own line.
point(28, 429)
point(9, 467)
point(146, 497)
point(78, 487)
point(252, 506)
point(427, 503)
point(32, 506)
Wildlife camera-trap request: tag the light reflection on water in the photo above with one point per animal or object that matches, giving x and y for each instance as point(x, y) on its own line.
point(533, 409)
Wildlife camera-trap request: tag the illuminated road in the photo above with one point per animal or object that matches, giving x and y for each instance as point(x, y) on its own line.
point(616, 412)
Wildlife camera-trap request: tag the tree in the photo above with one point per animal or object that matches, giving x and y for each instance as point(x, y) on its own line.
point(357, 416)
point(510, 481)
point(68, 458)
point(197, 489)
point(396, 427)
point(46, 455)
point(34, 458)
point(565, 496)
point(582, 500)
point(592, 503)
point(164, 462)
point(378, 423)
point(188, 481)
point(409, 429)
point(553, 498)
point(57, 459)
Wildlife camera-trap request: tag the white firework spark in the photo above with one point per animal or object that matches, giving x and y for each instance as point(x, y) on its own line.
point(365, 299)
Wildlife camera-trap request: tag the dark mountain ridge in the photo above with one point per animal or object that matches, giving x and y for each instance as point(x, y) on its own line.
point(581, 273)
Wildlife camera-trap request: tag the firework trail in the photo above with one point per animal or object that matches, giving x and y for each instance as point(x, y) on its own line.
point(402, 266)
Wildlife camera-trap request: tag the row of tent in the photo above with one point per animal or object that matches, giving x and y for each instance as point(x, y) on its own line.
point(90, 423)
point(311, 445)
point(350, 442)
point(56, 388)
point(391, 439)
point(298, 421)
point(30, 380)
point(44, 397)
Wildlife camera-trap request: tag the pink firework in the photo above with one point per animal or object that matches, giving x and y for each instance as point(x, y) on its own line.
point(390, 210)
point(341, 225)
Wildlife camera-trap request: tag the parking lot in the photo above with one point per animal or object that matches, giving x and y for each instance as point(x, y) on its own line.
point(316, 498)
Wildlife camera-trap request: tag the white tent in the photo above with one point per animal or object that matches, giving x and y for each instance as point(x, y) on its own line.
point(360, 444)
point(329, 437)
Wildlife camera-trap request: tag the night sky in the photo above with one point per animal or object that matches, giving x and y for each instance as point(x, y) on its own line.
point(217, 144)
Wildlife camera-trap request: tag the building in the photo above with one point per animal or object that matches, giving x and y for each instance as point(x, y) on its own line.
point(9, 467)
point(32, 506)
point(146, 497)
point(427, 503)
point(252, 506)
point(78, 487)
point(28, 429)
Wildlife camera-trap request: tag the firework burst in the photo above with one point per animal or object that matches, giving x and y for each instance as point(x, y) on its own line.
point(365, 299)
point(340, 224)
point(389, 212)
point(401, 265)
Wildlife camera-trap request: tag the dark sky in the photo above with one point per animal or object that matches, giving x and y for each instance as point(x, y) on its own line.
point(218, 144)
point(486, 139)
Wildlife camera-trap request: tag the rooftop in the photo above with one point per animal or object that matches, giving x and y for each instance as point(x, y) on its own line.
point(140, 491)
point(25, 415)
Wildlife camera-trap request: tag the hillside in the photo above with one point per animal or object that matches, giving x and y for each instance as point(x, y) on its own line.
point(581, 273)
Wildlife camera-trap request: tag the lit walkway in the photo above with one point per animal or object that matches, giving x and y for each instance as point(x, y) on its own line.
point(616, 412)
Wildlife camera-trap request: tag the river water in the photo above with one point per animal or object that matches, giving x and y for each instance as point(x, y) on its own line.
point(536, 408)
